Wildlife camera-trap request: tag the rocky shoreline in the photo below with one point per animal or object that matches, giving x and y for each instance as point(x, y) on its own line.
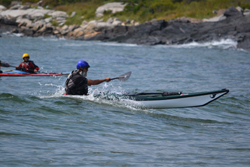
point(232, 24)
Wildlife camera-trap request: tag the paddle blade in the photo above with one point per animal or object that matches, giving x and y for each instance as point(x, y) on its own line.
point(3, 64)
point(124, 77)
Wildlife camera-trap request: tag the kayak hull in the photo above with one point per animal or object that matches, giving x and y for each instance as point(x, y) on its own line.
point(17, 73)
point(176, 101)
point(165, 100)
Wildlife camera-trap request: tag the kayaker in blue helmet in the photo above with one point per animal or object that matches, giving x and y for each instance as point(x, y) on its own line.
point(77, 83)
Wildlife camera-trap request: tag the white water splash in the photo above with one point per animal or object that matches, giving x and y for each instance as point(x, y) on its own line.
point(102, 95)
point(13, 34)
point(224, 44)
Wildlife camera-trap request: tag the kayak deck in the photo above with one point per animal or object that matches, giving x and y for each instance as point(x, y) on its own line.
point(182, 100)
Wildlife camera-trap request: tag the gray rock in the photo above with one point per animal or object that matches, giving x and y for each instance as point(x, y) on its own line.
point(26, 31)
point(24, 7)
point(35, 14)
point(244, 43)
point(37, 27)
point(2, 8)
point(110, 20)
point(39, 3)
point(117, 22)
point(13, 3)
point(73, 14)
point(246, 12)
point(57, 14)
point(239, 9)
point(232, 12)
point(84, 23)
point(48, 20)
point(15, 7)
point(22, 21)
point(73, 27)
point(215, 19)
point(113, 6)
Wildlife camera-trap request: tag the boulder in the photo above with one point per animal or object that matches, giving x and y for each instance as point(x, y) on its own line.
point(22, 21)
point(48, 20)
point(37, 27)
point(73, 27)
point(72, 14)
point(2, 8)
point(110, 21)
point(232, 12)
point(32, 14)
point(215, 19)
point(244, 43)
point(26, 31)
point(90, 35)
point(239, 9)
point(79, 33)
point(116, 22)
point(102, 25)
point(57, 14)
point(113, 6)
point(246, 12)
point(188, 20)
point(46, 30)
point(84, 23)
point(39, 3)
point(15, 7)
point(91, 25)
point(13, 3)
point(24, 7)
point(65, 27)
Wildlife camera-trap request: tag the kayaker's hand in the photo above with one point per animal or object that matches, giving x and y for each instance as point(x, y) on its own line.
point(108, 79)
point(23, 69)
point(35, 70)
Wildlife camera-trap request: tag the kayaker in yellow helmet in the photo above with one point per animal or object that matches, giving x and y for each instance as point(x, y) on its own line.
point(27, 65)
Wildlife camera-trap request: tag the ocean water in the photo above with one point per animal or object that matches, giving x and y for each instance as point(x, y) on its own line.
point(41, 127)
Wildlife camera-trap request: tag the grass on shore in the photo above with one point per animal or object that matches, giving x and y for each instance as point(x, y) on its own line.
point(148, 10)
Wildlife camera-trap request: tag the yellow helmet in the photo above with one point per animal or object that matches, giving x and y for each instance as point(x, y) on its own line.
point(26, 55)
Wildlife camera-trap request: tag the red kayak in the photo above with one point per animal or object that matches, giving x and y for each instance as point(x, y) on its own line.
point(17, 73)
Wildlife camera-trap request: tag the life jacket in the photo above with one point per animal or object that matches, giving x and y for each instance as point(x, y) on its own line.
point(28, 66)
point(76, 84)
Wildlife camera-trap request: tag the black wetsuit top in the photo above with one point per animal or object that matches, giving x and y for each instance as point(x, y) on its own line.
point(76, 84)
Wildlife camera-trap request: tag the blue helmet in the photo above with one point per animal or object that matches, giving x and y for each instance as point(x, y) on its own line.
point(82, 64)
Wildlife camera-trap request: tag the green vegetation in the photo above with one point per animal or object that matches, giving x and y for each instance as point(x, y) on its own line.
point(140, 10)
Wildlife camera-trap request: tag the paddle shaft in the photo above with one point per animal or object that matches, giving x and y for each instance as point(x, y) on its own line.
point(114, 78)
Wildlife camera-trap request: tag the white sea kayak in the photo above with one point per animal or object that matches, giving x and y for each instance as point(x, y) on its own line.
point(171, 100)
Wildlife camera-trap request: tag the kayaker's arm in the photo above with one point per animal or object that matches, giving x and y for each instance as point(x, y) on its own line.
point(98, 81)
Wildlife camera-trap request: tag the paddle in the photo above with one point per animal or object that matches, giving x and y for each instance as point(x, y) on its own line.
point(123, 77)
point(4, 64)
